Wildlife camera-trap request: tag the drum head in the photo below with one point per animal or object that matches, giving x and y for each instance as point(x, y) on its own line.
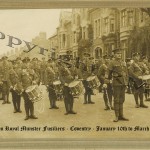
point(30, 88)
point(56, 82)
point(74, 83)
point(91, 78)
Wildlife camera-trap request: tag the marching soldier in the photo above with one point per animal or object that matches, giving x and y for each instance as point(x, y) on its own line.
point(118, 75)
point(51, 76)
point(28, 78)
point(136, 71)
point(107, 84)
point(66, 78)
point(5, 68)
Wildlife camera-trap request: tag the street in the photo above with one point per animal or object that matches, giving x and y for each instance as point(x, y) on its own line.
point(91, 120)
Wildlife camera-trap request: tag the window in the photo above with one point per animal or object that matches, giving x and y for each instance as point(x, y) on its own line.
point(141, 16)
point(112, 25)
point(106, 25)
point(99, 27)
point(130, 17)
point(123, 18)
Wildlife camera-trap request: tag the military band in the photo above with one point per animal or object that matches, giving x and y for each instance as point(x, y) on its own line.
point(71, 79)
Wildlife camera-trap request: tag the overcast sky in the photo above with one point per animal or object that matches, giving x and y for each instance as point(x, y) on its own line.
point(26, 24)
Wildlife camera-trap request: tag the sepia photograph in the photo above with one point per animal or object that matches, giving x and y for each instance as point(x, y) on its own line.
point(75, 78)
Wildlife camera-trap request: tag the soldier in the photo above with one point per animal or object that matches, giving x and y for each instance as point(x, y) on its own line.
point(51, 76)
point(136, 71)
point(146, 65)
point(42, 70)
point(66, 78)
point(107, 84)
point(118, 75)
point(5, 68)
point(35, 65)
point(129, 87)
point(15, 87)
point(28, 78)
point(88, 91)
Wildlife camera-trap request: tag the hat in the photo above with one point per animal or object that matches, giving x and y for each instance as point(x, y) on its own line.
point(128, 59)
point(4, 57)
point(86, 54)
point(34, 58)
point(18, 58)
point(135, 54)
point(91, 58)
point(106, 56)
point(117, 50)
point(26, 59)
point(144, 57)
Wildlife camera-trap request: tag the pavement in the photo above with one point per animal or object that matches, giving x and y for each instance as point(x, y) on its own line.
point(91, 120)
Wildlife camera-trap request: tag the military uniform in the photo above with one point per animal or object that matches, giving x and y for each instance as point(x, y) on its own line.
point(135, 71)
point(4, 73)
point(43, 66)
point(65, 78)
point(28, 78)
point(88, 91)
point(16, 88)
point(118, 75)
point(50, 78)
point(107, 88)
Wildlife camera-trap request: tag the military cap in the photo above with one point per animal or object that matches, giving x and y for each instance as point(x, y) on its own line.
point(4, 57)
point(34, 58)
point(135, 54)
point(128, 59)
point(18, 58)
point(87, 55)
point(26, 59)
point(91, 58)
point(144, 57)
point(106, 56)
point(117, 50)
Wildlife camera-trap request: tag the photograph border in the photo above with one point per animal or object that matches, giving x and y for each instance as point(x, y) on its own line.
point(89, 143)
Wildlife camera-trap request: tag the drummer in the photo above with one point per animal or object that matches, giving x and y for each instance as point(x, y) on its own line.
point(28, 78)
point(86, 72)
point(136, 71)
point(66, 78)
point(51, 76)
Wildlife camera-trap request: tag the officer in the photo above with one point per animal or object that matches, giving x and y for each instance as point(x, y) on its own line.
point(5, 68)
point(118, 75)
point(15, 87)
point(66, 78)
point(107, 84)
point(28, 78)
point(51, 76)
point(136, 71)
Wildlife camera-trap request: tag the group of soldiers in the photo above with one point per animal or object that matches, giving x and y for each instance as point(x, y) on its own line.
point(113, 73)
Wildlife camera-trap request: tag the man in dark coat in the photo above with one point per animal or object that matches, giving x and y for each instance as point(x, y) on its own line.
point(119, 75)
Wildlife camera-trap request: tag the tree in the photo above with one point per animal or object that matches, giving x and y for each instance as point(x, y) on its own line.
point(84, 45)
